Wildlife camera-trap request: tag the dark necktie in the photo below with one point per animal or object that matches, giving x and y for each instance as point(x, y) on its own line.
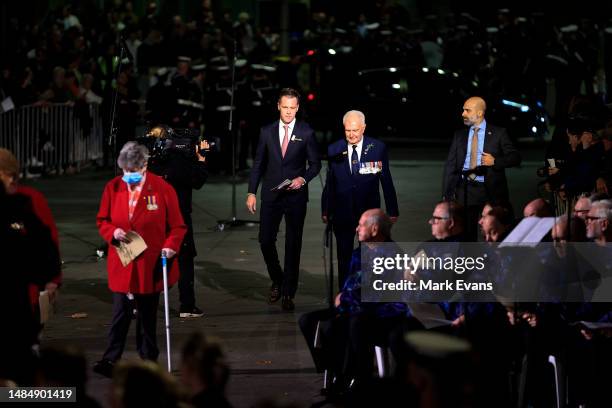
point(354, 162)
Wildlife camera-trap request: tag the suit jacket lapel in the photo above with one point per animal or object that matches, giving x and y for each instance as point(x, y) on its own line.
point(347, 163)
point(462, 149)
point(364, 147)
point(147, 190)
point(123, 197)
point(488, 141)
point(295, 131)
point(275, 140)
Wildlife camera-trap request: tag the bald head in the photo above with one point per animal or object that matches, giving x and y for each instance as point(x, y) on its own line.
point(354, 116)
point(354, 126)
point(473, 111)
point(477, 102)
point(537, 208)
point(374, 226)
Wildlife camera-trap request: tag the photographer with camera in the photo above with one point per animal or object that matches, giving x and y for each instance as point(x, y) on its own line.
point(177, 155)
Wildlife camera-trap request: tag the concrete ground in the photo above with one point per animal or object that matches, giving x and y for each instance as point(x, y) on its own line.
point(265, 349)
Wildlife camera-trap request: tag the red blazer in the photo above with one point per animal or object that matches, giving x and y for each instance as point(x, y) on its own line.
point(157, 219)
point(43, 212)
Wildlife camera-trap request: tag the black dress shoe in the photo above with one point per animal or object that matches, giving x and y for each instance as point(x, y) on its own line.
point(288, 304)
point(274, 293)
point(104, 367)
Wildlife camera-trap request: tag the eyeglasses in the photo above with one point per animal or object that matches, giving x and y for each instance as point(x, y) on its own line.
point(580, 211)
point(590, 218)
point(435, 219)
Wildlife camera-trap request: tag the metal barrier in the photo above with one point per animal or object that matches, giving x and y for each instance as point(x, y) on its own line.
point(53, 137)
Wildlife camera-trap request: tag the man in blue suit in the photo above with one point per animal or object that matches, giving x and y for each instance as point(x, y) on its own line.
point(357, 166)
point(285, 147)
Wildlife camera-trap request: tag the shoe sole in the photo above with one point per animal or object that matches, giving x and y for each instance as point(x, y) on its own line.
point(189, 315)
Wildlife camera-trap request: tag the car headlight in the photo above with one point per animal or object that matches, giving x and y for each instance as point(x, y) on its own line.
point(522, 107)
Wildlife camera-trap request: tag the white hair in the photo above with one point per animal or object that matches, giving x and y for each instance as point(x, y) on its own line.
point(603, 208)
point(357, 113)
point(132, 156)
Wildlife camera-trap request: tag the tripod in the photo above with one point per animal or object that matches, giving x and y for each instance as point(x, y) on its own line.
point(102, 250)
point(112, 140)
point(233, 221)
point(328, 239)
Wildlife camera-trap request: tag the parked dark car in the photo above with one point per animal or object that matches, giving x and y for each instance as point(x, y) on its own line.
point(419, 104)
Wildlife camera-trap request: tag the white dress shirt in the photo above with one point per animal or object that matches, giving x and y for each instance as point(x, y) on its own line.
point(281, 131)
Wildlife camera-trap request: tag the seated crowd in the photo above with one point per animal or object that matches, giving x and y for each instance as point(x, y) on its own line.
point(506, 343)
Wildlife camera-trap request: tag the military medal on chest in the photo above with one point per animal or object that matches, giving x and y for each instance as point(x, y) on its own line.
point(370, 167)
point(151, 203)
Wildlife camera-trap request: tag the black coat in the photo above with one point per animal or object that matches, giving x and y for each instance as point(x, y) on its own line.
point(497, 143)
point(31, 257)
point(354, 195)
point(184, 173)
point(270, 166)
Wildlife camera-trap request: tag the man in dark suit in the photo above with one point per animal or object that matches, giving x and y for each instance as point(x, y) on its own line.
point(357, 166)
point(488, 154)
point(285, 146)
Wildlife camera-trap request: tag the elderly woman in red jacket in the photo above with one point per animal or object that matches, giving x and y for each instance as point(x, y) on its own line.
point(142, 202)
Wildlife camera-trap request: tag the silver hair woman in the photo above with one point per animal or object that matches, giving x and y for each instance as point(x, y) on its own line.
point(142, 203)
point(133, 157)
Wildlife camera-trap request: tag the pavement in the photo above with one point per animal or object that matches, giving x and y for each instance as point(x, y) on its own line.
point(264, 347)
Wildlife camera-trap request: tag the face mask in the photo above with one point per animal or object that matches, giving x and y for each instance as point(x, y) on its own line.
point(132, 178)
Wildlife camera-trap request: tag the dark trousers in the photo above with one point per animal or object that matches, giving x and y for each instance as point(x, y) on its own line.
point(476, 199)
point(271, 214)
point(330, 353)
point(186, 280)
point(366, 331)
point(345, 236)
point(146, 325)
point(347, 342)
point(186, 268)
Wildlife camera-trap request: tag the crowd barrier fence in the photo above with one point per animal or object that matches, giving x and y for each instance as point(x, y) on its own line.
point(53, 137)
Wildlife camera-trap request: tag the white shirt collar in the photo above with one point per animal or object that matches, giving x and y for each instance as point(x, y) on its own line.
point(281, 130)
point(350, 150)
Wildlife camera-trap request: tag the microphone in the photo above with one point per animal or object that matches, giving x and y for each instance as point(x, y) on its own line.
point(338, 157)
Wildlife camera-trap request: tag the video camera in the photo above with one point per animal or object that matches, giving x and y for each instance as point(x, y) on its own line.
point(160, 140)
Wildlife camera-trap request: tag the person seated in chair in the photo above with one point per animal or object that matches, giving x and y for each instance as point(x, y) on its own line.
point(350, 330)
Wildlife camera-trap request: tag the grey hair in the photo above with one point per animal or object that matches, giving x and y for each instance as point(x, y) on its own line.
point(132, 156)
point(357, 113)
point(603, 208)
point(383, 221)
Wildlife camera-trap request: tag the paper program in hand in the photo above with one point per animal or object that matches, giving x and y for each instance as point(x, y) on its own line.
point(282, 185)
point(128, 251)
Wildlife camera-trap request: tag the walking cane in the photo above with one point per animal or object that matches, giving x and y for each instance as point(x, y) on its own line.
point(166, 308)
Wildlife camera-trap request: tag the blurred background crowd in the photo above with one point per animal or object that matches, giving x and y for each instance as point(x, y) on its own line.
point(404, 63)
point(79, 78)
